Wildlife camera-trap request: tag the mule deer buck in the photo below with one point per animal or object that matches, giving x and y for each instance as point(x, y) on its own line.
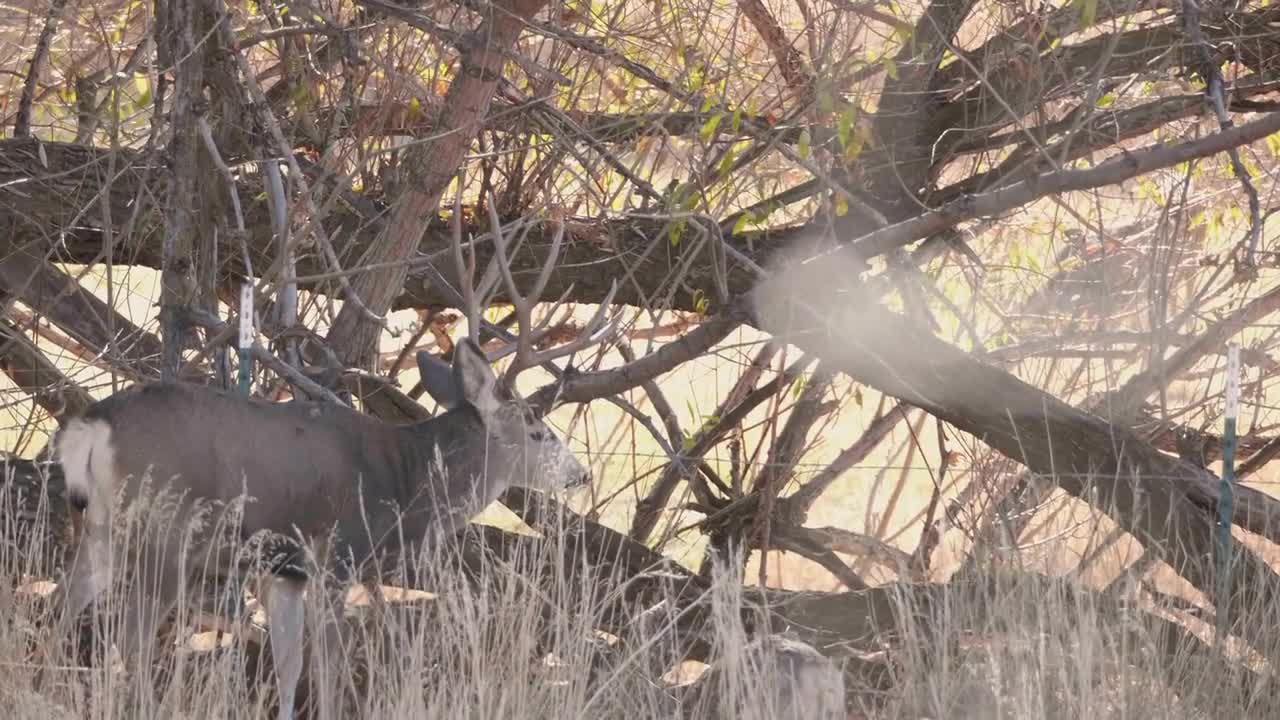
point(310, 469)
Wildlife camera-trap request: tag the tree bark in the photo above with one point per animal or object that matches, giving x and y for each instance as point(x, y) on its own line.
point(178, 286)
point(30, 370)
point(905, 109)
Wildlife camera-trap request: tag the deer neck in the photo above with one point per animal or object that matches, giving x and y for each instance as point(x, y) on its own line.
point(452, 451)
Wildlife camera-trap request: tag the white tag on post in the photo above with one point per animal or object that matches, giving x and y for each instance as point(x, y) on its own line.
point(246, 316)
point(1233, 381)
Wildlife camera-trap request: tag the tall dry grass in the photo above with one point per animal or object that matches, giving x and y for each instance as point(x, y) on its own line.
point(521, 636)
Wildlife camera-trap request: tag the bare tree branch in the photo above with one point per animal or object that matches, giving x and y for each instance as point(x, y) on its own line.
point(30, 370)
point(802, 500)
point(22, 125)
point(1115, 170)
point(1207, 68)
point(54, 295)
point(902, 121)
point(1124, 403)
point(178, 262)
point(789, 61)
point(432, 166)
point(649, 508)
point(584, 387)
point(1164, 501)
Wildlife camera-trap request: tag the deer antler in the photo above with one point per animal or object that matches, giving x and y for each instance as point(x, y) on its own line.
point(597, 330)
point(466, 276)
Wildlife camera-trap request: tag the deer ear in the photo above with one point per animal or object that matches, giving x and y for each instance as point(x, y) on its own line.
point(438, 380)
point(474, 378)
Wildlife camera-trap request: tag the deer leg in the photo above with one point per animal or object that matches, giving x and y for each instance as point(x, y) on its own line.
point(151, 598)
point(285, 620)
point(75, 593)
point(89, 574)
point(330, 656)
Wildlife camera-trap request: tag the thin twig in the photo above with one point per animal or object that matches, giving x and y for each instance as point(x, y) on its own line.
point(785, 452)
point(650, 507)
point(879, 429)
point(22, 125)
point(268, 119)
point(224, 332)
point(1214, 95)
point(206, 134)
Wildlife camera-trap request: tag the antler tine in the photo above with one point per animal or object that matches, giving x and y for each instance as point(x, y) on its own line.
point(466, 272)
point(550, 265)
point(523, 305)
point(510, 348)
point(530, 333)
point(474, 299)
point(596, 331)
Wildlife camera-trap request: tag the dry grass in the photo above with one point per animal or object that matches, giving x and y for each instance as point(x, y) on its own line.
point(522, 638)
point(1030, 647)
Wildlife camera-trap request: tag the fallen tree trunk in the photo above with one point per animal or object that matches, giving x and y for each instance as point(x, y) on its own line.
point(50, 195)
point(51, 293)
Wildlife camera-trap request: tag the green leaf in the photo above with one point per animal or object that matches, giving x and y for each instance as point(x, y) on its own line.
point(676, 233)
point(826, 103)
point(1273, 144)
point(700, 302)
point(844, 125)
point(854, 148)
point(805, 141)
point(1107, 100)
point(142, 84)
point(890, 67)
point(301, 96)
point(1015, 256)
point(842, 206)
point(1088, 12)
point(741, 223)
point(709, 127)
point(726, 163)
point(1148, 190)
point(904, 33)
